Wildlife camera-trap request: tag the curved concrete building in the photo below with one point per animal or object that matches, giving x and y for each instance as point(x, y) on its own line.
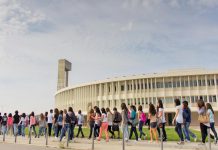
point(141, 90)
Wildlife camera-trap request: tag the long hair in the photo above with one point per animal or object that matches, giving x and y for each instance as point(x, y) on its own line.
point(200, 103)
point(208, 105)
point(108, 110)
point(152, 109)
point(133, 107)
point(123, 107)
point(160, 103)
point(97, 110)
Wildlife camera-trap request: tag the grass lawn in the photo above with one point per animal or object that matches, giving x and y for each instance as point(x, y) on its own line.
point(171, 134)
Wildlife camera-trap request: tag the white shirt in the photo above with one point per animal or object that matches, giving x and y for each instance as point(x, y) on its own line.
point(179, 118)
point(163, 115)
point(50, 117)
point(104, 116)
point(80, 119)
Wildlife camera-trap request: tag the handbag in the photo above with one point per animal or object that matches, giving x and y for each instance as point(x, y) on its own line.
point(203, 118)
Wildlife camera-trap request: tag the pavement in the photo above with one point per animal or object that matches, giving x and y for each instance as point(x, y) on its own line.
point(85, 144)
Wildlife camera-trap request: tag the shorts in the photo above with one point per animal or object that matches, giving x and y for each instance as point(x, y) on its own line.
point(153, 125)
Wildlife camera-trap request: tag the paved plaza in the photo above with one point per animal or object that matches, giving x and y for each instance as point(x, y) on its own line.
point(85, 144)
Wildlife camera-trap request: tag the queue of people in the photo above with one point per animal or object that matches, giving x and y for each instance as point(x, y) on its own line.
point(104, 121)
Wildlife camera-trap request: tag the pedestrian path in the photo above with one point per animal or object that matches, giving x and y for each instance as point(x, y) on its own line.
point(85, 144)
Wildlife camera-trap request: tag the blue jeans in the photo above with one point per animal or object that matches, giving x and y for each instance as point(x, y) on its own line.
point(178, 129)
point(4, 129)
point(125, 131)
point(141, 123)
point(187, 131)
point(212, 124)
point(23, 130)
point(41, 130)
point(15, 129)
point(65, 128)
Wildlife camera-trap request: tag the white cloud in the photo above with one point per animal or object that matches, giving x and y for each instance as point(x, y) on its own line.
point(15, 19)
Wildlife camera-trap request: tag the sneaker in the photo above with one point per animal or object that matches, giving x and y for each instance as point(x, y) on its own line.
point(139, 139)
point(188, 141)
point(201, 143)
point(195, 139)
point(215, 141)
point(181, 143)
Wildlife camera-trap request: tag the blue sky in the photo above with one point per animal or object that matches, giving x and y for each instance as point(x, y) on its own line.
point(102, 39)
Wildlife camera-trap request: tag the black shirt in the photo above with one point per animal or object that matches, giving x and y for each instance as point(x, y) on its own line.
point(16, 119)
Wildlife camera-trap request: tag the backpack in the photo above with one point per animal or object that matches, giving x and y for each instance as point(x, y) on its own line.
point(71, 119)
point(4, 120)
point(117, 118)
point(143, 117)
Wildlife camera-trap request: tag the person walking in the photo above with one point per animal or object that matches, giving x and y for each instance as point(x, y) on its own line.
point(80, 119)
point(110, 121)
point(142, 119)
point(1, 124)
point(162, 120)
point(22, 123)
point(16, 120)
point(59, 123)
point(116, 122)
point(66, 125)
point(4, 124)
point(10, 124)
point(210, 112)
point(33, 123)
point(187, 122)
point(152, 115)
point(104, 125)
point(50, 121)
point(204, 124)
point(91, 122)
point(55, 122)
point(73, 121)
point(133, 120)
point(42, 125)
point(178, 119)
point(97, 122)
point(124, 122)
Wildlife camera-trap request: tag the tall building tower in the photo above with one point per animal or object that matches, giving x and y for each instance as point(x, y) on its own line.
point(63, 67)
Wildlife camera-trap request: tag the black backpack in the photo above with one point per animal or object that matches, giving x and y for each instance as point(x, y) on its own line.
point(71, 119)
point(117, 118)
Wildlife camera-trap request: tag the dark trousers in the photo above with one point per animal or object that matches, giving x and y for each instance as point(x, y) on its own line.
point(203, 132)
point(178, 129)
point(110, 130)
point(141, 123)
point(163, 131)
point(59, 127)
point(96, 130)
point(72, 126)
point(80, 130)
point(49, 129)
point(133, 129)
point(91, 125)
point(212, 127)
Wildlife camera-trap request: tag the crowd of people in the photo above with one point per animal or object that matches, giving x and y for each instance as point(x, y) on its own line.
point(63, 122)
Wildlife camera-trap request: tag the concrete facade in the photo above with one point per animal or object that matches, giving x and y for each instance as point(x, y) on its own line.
point(144, 89)
point(63, 67)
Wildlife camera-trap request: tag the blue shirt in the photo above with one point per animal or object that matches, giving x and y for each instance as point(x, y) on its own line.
point(211, 115)
point(187, 115)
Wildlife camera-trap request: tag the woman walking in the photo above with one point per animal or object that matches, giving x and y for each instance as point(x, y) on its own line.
point(142, 120)
point(153, 122)
point(10, 124)
point(59, 123)
point(202, 111)
point(16, 120)
point(23, 124)
point(55, 122)
point(162, 120)
point(42, 125)
point(91, 122)
point(110, 121)
point(104, 125)
point(97, 122)
point(133, 120)
point(33, 123)
point(124, 122)
point(178, 119)
point(210, 112)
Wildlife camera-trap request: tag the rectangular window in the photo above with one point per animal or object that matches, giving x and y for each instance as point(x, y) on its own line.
point(210, 99)
point(214, 98)
point(195, 83)
point(128, 100)
point(203, 83)
point(142, 86)
point(178, 84)
point(208, 83)
point(122, 87)
point(145, 86)
point(143, 101)
point(199, 82)
point(174, 84)
point(138, 86)
point(205, 98)
point(186, 84)
point(212, 82)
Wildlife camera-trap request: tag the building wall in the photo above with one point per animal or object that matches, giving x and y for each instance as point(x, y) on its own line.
point(142, 91)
